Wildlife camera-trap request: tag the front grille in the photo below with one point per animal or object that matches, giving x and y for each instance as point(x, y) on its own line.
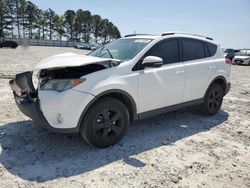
point(238, 61)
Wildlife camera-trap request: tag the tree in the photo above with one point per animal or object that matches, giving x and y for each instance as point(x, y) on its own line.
point(69, 21)
point(87, 23)
point(24, 19)
point(41, 24)
point(116, 33)
point(31, 18)
point(7, 17)
point(59, 25)
point(50, 15)
point(1, 18)
point(96, 26)
point(105, 29)
point(78, 24)
point(22, 10)
point(19, 12)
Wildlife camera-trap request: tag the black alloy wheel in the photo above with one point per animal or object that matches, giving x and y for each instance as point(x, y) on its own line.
point(213, 99)
point(105, 123)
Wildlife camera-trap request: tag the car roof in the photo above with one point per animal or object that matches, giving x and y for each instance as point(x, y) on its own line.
point(171, 35)
point(142, 36)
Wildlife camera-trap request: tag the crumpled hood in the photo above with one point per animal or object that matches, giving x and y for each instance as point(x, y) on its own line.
point(241, 57)
point(68, 60)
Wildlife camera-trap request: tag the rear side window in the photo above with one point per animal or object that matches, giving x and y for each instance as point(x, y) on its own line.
point(168, 50)
point(211, 48)
point(192, 49)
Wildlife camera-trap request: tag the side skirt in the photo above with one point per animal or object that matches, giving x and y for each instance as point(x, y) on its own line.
point(164, 110)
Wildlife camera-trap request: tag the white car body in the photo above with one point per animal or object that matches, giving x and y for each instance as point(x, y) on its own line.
point(150, 89)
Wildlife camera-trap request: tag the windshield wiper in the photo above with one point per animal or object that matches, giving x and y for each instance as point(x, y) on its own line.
point(109, 53)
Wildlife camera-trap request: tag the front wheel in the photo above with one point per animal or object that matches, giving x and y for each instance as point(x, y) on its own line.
point(105, 123)
point(213, 100)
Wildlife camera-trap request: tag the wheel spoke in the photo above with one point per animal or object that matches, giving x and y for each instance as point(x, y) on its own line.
point(217, 95)
point(216, 103)
point(116, 116)
point(116, 129)
point(210, 101)
point(99, 126)
point(105, 134)
point(105, 114)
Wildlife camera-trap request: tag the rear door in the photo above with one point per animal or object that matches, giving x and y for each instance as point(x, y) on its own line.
point(199, 68)
point(162, 86)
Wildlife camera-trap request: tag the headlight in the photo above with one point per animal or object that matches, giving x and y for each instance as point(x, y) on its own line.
point(61, 84)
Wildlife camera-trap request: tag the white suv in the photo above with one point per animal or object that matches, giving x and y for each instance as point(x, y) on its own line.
point(131, 78)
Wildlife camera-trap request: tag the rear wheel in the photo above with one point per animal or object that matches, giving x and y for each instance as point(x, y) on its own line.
point(105, 123)
point(213, 100)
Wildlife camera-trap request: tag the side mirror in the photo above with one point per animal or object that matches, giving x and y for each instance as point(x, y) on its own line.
point(152, 61)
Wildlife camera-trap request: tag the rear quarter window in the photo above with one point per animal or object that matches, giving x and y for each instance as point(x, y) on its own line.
point(212, 48)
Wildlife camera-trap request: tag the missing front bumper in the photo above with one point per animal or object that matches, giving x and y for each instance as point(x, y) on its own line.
point(26, 98)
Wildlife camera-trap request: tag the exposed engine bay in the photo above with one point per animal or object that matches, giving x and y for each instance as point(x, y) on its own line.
point(70, 72)
point(73, 72)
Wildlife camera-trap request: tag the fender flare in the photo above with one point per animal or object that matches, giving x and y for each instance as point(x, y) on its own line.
point(217, 78)
point(105, 93)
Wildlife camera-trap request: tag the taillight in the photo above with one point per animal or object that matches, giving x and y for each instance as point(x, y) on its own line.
point(228, 61)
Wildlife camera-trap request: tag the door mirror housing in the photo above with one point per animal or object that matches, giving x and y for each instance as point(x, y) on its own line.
point(152, 61)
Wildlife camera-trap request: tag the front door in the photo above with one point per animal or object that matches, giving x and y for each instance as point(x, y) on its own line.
point(163, 86)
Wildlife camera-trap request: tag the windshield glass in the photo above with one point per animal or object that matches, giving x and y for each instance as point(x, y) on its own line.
point(121, 49)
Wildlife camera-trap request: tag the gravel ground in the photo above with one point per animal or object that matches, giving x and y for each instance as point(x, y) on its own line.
point(178, 149)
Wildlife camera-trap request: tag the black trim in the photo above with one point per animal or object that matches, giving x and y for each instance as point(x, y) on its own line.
point(138, 66)
point(228, 88)
point(225, 84)
point(206, 50)
point(180, 50)
point(163, 110)
point(107, 93)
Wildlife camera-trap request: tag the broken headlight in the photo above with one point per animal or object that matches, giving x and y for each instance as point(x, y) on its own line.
point(60, 84)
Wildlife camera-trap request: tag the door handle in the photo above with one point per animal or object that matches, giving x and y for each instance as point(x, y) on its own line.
point(180, 72)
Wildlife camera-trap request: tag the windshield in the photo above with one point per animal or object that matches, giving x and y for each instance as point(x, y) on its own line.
point(121, 49)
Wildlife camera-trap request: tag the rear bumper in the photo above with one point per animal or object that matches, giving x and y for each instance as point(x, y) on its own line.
point(27, 100)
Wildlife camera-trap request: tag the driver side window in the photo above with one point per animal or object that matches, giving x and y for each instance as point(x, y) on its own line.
point(167, 49)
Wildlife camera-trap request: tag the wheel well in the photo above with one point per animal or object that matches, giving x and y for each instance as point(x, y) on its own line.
point(221, 81)
point(126, 100)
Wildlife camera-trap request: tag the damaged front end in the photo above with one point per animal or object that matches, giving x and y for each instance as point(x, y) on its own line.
point(26, 98)
point(56, 80)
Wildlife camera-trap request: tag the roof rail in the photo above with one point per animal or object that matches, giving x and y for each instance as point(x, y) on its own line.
point(193, 34)
point(133, 35)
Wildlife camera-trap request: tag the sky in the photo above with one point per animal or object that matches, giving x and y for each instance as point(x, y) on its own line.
point(227, 21)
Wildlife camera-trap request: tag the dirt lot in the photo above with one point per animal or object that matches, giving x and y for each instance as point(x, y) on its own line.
point(179, 149)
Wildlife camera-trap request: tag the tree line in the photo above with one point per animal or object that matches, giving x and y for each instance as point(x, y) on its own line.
point(23, 19)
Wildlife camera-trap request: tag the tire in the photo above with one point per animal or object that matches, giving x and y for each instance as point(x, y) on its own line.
point(213, 100)
point(105, 123)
